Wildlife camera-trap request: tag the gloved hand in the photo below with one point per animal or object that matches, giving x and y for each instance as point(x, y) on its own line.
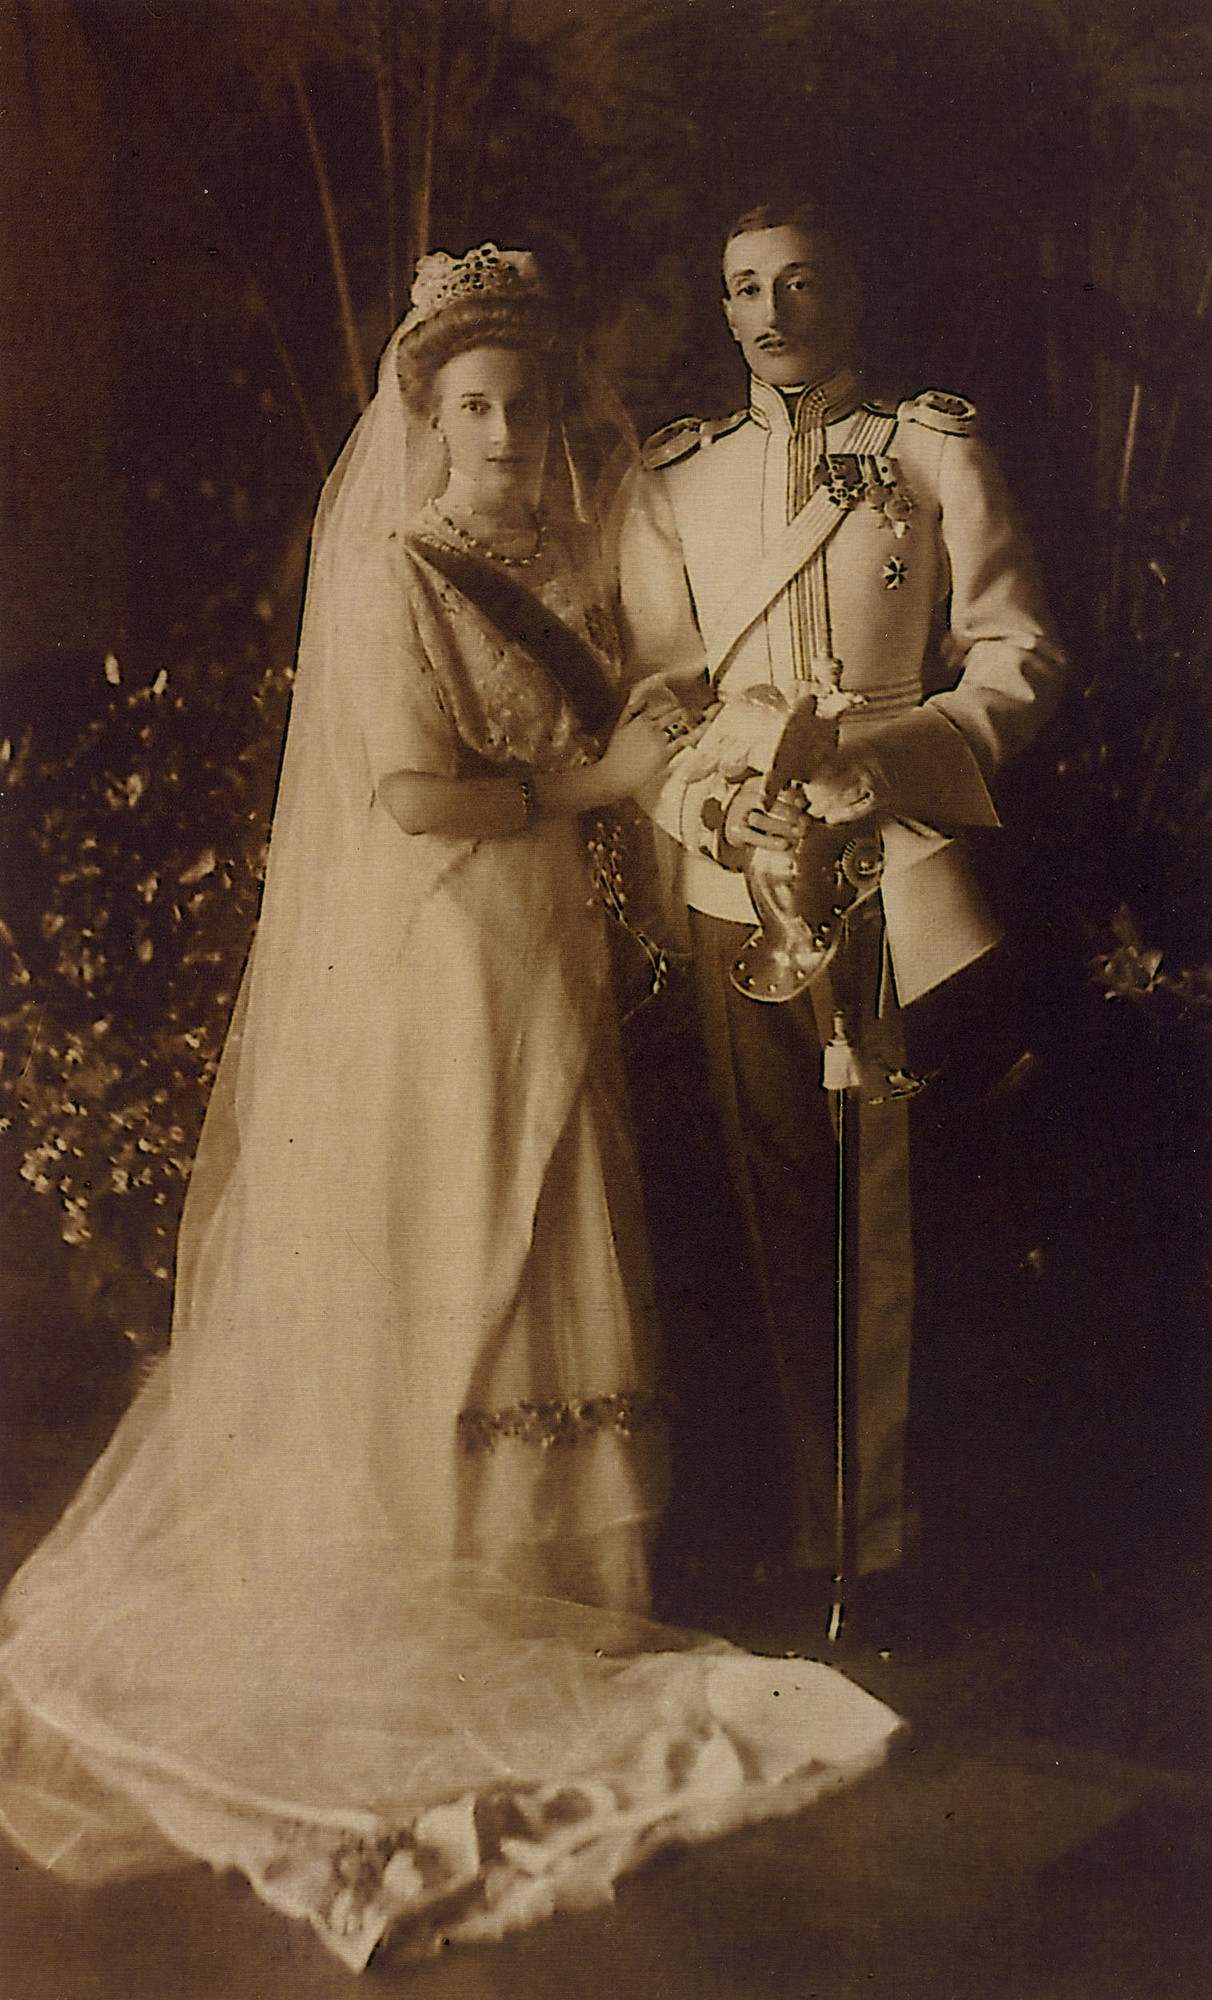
point(849, 786)
point(780, 826)
point(742, 735)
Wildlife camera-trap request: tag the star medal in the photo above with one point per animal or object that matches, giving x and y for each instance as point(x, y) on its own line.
point(895, 572)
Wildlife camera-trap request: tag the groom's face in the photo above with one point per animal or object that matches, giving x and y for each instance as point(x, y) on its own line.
point(789, 303)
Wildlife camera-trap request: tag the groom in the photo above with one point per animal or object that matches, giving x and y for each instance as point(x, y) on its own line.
point(847, 579)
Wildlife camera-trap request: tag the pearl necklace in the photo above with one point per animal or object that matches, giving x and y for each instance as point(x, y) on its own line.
point(482, 548)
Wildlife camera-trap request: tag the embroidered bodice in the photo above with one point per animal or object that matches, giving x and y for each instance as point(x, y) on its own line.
point(505, 707)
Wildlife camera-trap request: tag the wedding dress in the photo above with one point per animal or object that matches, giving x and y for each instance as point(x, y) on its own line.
point(354, 1600)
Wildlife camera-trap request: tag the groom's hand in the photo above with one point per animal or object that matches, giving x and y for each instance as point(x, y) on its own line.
point(741, 736)
point(778, 827)
point(846, 788)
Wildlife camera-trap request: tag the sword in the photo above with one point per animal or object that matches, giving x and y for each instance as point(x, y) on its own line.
point(804, 897)
point(844, 1116)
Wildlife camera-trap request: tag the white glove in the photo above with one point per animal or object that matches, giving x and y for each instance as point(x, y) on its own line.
point(848, 787)
point(741, 736)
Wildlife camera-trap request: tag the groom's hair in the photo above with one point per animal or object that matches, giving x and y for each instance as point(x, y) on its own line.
point(796, 211)
point(816, 218)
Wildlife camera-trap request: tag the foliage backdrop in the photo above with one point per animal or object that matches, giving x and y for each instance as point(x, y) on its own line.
point(1028, 189)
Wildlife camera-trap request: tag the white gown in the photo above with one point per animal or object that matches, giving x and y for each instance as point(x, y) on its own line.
point(353, 1601)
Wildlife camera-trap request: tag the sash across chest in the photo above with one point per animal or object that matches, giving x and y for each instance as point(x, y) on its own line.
point(800, 542)
point(524, 620)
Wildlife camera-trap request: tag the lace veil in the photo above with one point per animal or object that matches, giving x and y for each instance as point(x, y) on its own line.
point(248, 1455)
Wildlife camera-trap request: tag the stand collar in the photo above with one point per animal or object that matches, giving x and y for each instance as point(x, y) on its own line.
point(824, 402)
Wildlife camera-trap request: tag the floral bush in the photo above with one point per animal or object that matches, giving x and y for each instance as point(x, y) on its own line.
point(137, 823)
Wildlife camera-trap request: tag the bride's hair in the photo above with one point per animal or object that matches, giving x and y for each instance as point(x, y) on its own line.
point(525, 325)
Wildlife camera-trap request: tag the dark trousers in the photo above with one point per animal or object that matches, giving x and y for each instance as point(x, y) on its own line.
point(776, 1121)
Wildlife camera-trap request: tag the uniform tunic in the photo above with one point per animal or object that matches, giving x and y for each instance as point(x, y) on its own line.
point(925, 608)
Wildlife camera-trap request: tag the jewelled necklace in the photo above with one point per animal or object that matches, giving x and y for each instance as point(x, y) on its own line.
point(482, 548)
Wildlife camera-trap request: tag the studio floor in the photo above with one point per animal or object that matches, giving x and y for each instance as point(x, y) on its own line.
point(1041, 1831)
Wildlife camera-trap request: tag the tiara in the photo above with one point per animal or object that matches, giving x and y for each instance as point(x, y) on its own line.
point(484, 273)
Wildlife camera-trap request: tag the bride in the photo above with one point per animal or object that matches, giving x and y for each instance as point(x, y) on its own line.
point(354, 1600)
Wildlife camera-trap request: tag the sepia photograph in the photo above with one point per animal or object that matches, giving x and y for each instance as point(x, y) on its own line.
point(606, 1022)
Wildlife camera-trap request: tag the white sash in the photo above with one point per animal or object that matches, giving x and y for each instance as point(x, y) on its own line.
point(793, 548)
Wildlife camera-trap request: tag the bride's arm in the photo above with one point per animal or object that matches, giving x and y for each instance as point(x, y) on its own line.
point(461, 808)
point(489, 808)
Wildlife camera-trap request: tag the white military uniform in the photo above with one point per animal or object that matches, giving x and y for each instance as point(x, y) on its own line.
point(921, 618)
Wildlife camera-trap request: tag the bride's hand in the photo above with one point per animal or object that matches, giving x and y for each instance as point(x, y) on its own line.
point(640, 749)
point(656, 698)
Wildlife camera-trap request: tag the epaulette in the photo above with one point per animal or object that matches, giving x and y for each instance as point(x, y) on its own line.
point(940, 412)
point(682, 439)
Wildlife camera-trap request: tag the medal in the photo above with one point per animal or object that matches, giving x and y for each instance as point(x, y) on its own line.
point(845, 476)
point(850, 478)
point(889, 499)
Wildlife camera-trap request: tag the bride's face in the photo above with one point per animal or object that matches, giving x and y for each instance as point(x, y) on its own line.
point(492, 408)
